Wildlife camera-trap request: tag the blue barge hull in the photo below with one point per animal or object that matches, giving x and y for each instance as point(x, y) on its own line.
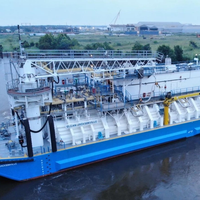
point(22, 169)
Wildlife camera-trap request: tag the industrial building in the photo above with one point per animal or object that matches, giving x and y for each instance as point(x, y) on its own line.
point(150, 28)
point(163, 27)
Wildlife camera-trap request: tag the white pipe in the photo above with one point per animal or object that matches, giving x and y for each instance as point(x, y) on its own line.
point(16, 125)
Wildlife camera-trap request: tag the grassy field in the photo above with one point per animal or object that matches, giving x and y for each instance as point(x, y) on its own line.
point(126, 42)
point(121, 42)
point(10, 42)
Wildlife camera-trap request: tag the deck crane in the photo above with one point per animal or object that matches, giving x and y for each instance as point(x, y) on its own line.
point(169, 100)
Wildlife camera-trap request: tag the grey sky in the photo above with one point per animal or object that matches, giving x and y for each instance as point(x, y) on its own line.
point(97, 12)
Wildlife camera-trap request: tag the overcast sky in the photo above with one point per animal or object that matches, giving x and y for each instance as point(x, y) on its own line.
point(97, 12)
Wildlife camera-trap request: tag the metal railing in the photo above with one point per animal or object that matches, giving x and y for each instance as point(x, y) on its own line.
point(90, 54)
point(163, 94)
point(72, 54)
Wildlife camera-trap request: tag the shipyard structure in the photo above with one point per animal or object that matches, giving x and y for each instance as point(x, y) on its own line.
point(140, 28)
point(154, 28)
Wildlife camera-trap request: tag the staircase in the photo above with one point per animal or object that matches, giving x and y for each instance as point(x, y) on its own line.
point(159, 56)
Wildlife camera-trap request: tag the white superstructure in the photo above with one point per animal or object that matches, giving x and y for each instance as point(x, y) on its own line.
point(100, 94)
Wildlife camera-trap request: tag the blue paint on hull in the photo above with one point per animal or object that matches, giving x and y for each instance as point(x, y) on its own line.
point(50, 163)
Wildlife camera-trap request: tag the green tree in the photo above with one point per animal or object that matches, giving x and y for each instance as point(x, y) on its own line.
point(167, 51)
point(147, 47)
point(25, 44)
point(27, 29)
point(74, 42)
point(1, 48)
point(97, 45)
point(62, 41)
point(193, 44)
point(137, 46)
point(32, 44)
point(107, 46)
point(178, 51)
point(89, 47)
point(47, 42)
point(61, 37)
point(64, 44)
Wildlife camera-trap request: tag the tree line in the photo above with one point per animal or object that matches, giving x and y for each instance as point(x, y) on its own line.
point(63, 41)
point(49, 41)
point(176, 53)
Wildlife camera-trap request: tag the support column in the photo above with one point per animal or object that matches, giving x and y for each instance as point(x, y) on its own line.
point(150, 116)
point(93, 133)
point(52, 134)
point(106, 128)
point(141, 123)
point(166, 115)
point(33, 114)
point(124, 91)
point(28, 138)
point(195, 107)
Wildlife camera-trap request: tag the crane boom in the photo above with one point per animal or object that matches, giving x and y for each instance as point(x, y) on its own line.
point(115, 18)
point(169, 100)
point(118, 14)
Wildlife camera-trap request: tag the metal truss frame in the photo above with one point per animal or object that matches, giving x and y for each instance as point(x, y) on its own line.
point(63, 67)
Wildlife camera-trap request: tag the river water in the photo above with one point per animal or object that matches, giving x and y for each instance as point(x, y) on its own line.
point(167, 172)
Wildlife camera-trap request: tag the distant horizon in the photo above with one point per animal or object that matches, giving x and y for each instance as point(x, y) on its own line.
point(97, 12)
point(90, 25)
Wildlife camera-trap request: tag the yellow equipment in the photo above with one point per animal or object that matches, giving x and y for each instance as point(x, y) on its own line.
point(169, 99)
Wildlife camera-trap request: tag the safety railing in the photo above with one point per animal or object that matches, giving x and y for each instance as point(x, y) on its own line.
point(90, 54)
point(15, 85)
point(163, 94)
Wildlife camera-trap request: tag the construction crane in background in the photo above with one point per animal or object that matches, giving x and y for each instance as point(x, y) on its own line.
point(116, 18)
point(113, 22)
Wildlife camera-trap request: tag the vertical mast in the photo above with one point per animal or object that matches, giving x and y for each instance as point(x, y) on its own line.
point(20, 42)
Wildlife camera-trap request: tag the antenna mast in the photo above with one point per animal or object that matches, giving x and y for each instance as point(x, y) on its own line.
point(20, 42)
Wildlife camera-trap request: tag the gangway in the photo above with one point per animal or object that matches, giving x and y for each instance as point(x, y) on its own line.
point(100, 64)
